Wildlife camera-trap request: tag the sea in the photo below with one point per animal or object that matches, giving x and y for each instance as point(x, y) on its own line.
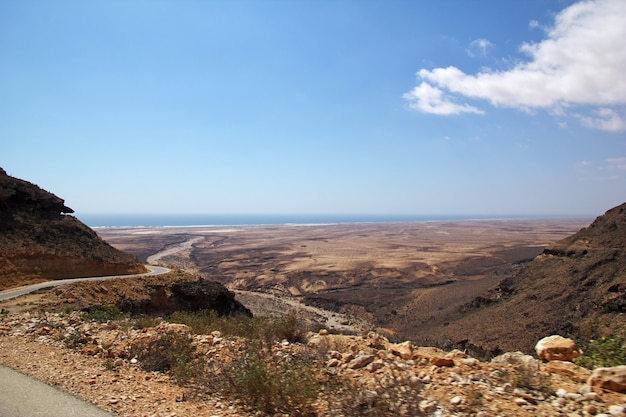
point(163, 220)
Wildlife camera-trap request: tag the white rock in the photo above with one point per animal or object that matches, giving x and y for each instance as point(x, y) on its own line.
point(520, 401)
point(427, 406)
point(458, 400)
point(617, 410)
point(561, 393)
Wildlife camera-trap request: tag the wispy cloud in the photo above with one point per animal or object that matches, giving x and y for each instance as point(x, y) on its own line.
point(616, 163)
point(609, 169)
point(581, 64)
point(478, 47)
point(604, 119)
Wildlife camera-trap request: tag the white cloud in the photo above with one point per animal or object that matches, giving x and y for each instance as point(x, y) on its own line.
point(478, 47)
point(429, 99)
point(582, 62)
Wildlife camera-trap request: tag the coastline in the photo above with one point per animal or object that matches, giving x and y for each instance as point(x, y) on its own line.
point(151, 221)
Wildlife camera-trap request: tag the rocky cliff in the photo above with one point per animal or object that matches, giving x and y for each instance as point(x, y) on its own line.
point(40, 240)
point(576, 288)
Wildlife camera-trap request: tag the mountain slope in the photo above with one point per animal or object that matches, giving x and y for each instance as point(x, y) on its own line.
point(576, 288)
point(39, 241)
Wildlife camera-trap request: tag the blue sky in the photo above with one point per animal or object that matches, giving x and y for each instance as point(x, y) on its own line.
point(403, 107)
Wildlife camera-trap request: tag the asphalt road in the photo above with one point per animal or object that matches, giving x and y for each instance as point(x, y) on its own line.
point(16, 292)
point(23, 396)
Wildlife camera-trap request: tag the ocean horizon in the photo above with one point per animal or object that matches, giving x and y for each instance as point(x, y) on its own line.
point(164, 220)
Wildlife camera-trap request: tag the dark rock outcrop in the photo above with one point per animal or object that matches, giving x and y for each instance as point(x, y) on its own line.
point(185, 296)
point(40, 241)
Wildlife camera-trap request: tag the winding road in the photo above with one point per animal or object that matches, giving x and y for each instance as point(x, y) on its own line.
point(179, 247)
point(154, 270)
point(16, 292)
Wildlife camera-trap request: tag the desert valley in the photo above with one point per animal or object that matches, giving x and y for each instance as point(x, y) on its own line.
point(406, 280)
point(423, 318)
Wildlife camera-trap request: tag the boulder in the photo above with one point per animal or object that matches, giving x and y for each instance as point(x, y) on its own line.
point(611, 379)
point(557, 348)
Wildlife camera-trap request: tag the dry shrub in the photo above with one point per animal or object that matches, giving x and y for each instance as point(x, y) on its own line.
point(169, 351)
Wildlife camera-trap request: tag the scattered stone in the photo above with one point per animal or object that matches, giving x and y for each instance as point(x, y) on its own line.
point(557, 347)
point(361, 361)
point(403, 350)
point(456, 401)
point(470, 362)
point(91, 350)
point(569, 369)
point(427, 381)
point(427, 406)
point(520, 401)
point(617, 410)
point(519, 359)
point(376, 341)
point(333, 363)
point(375, 366)
point(441, 361)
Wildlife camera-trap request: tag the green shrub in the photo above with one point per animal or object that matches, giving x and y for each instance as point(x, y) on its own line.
point(606, 351)
point(104, 313)
point(263, 329)
point(289, 328)
point(144, 322)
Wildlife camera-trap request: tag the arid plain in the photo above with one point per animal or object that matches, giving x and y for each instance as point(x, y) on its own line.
point(404, 279)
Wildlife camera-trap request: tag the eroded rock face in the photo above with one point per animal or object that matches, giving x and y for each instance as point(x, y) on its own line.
point(557, 348)
point(39, 241)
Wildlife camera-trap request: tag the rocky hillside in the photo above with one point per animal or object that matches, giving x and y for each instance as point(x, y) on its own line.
point(40, 241)
point(144, 366)
point(576, 287)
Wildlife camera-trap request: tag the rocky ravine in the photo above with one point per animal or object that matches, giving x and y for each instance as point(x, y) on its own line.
point(576, 287)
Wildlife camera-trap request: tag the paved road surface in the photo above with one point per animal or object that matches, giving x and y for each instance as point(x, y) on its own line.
point(16, 292)
point(23, 396)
